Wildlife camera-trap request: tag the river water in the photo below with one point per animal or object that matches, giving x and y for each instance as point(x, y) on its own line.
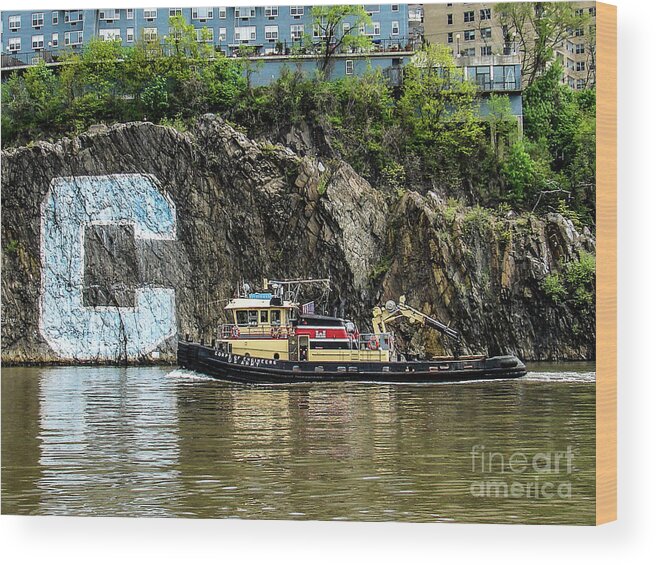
point(162, 442)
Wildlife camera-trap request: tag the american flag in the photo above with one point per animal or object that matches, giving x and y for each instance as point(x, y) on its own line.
point(308, 308)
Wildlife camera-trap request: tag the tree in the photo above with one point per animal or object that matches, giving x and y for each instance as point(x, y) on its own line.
point(503, 125)
point(538, 28)
point(438, 106)
point(183, 42)
point(336, 28)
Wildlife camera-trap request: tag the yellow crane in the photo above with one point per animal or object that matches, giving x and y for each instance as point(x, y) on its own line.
point(393, 311)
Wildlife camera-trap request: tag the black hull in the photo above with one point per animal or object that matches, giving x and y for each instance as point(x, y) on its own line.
point(230, 367)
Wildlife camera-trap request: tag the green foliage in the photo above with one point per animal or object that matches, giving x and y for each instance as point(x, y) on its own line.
point(524, 174)
point(12, 247)
point(553, 287)
point(155, 98)
point(576, 284)
point(502, 123)
point(380, 269)
point(563, 123)
point(107, 82)
point(437, 108)
point(335, 28)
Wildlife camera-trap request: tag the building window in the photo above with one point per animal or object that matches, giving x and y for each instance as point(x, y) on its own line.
point(37, 20)
point(579, 32)
point(222, 12)
point(396, 28)
point(173, 12)
point(297, 32)
point(271, 11)
point(486, 33)
point(318, 31)
point(202, 14)
point(486, 50)
point(223, 34)
point(578, 12)
point(150, 34)
point(55, 18)
point(376, 28)
point(129, 34)
point(349, 66)
point(245, 12)
point(14, 44)
point(449, 19)
point(205, 34)
point(346, 28)
point(110, 15)
point(109, 34)
point(72, 16)
point(580, 84)
point(579, 48)
point(371, 8)
point(592, 11)
point(14, 23)
point(580, 66)
point(150, 13)
point(271, 33)
point(395, 7)
point(296, 11)
point(37, 42)
point(485, 14)
point(449, 37)
point(470, 35)
point(245, 34)
point(469, 52)
point(129, 14)
point(469, 16)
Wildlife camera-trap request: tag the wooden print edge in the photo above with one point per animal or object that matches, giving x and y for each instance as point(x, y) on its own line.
point(606, 304)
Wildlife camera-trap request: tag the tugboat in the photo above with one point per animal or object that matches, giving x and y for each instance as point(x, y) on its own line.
point(273, 339)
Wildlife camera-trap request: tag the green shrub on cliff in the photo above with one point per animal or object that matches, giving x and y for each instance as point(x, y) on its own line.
point(576, 283)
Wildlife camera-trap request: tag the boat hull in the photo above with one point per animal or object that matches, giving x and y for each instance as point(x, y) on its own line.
point(237, 368)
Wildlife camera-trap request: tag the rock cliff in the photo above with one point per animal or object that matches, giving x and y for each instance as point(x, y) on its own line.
point(119, 240)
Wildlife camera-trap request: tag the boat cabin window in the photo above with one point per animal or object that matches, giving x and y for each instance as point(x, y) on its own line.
point(264, 316)
point(275, 317)
point(247, 317)
point(252, 317)
point(242, 317)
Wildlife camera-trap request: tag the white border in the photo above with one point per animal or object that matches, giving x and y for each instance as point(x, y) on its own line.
point(110, 541)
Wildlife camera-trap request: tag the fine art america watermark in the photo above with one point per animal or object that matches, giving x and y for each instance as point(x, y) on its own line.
point(543, 475)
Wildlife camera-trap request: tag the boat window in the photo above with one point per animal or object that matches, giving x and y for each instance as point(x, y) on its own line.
point(275, 317)
point(264, 316)
point(252, 317)
point(242, 318)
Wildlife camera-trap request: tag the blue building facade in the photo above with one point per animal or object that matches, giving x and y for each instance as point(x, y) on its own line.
point(28, 36)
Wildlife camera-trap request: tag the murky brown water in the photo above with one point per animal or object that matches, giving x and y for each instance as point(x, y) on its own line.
point(148, 442)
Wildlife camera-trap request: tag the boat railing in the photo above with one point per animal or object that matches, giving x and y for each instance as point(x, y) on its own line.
point(276, 331)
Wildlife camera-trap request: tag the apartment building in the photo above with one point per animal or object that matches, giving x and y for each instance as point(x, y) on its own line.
point(473, 29)
point(31, 35)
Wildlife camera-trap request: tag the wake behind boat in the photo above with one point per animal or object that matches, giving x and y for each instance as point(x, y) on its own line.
point(272, 338)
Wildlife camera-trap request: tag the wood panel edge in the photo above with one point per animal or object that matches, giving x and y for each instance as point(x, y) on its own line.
point(606, 302)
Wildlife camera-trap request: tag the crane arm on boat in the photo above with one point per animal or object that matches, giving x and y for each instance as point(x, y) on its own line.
point(393, 311)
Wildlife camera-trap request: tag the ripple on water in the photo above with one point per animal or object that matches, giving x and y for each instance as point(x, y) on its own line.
point(156, 442)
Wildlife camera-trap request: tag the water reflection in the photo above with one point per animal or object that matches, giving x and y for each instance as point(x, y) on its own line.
point(106, 436)
point(108, 441)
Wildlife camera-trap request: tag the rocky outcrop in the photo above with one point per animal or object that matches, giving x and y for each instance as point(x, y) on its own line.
point(484, 275)
point(119, 240)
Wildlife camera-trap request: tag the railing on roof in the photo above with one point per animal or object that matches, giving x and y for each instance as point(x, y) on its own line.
point(18, 60)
